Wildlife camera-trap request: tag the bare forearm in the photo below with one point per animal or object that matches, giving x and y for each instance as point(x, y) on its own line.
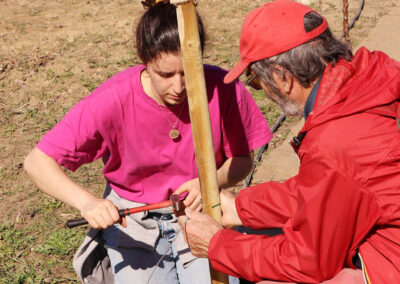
point(52, 180)
point(234, 170)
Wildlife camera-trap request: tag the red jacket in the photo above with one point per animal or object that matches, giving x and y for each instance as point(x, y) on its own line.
point(346, 195)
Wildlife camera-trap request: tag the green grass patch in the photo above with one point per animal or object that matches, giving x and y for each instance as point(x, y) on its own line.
point(21, 262)
point(14, 241)
point(62, 242)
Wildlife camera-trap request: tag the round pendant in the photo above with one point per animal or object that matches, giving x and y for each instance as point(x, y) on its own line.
point(174, 133)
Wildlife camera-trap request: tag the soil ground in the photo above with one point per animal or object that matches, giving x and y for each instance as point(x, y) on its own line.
point(54, 53)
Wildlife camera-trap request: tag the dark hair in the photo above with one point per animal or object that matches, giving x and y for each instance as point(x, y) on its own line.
point(157, 31)
point(307, 61)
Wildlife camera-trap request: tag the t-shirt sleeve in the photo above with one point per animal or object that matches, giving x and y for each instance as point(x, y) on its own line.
point(244, 126)
point(76, 139)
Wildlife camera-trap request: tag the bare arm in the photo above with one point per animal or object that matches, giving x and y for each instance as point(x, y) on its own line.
point(234, 170)
point(230, 173)
point(51, 179)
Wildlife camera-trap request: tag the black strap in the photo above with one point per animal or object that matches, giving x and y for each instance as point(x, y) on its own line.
point(298, 139)
point(357, 260)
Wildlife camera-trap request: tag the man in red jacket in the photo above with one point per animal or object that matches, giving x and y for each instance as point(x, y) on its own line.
point(342, 211)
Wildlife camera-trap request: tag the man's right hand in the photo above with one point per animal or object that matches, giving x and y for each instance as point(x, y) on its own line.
point(230, 217)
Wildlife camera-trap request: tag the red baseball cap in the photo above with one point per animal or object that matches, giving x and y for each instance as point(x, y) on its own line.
point(270, 30)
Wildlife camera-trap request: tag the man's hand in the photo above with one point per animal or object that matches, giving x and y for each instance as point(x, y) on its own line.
point(193, 199)
point(230, 217)
point(198, 229)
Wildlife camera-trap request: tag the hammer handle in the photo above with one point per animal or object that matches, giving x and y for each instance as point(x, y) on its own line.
point(123, 212)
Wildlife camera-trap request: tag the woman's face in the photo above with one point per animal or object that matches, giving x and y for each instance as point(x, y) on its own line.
point(166, 82)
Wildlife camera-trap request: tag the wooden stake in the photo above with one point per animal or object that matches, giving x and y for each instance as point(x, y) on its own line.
point(199, 115)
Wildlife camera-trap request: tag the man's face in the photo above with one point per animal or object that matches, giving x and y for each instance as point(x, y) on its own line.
point(277, 95)
point(167, 78)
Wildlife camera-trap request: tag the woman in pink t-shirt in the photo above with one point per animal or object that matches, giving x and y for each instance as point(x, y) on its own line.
point(138, 123)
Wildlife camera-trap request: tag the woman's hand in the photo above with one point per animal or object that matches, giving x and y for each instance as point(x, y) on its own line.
point(100, 213)
point(52, 180)
point(193, 199)
point(230, 217)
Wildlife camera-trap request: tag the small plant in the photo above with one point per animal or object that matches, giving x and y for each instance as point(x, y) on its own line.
point(93, 63)
point(51, 204)
point(62, 242)
point(90, 84)
point(20, 27)
point(35, 11)
point(60, 79)
point(84, 16)
point(50, 74)
point(124, 62)
point(14, 242)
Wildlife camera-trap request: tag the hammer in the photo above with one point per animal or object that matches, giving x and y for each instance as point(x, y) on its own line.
point(174, 202)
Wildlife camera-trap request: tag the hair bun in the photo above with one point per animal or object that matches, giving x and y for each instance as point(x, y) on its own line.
point(147, 4)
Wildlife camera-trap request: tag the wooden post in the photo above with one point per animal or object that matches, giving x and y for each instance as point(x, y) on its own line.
point(199, 114)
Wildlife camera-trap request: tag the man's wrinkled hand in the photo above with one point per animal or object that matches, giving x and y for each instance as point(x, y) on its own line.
point(198, 229)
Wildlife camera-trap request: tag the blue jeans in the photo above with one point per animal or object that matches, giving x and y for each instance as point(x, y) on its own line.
point(139, 265)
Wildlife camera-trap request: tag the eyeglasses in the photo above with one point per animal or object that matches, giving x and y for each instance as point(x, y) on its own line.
point(252, 79)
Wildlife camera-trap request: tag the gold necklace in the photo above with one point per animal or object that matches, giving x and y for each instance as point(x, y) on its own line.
point(174, 133)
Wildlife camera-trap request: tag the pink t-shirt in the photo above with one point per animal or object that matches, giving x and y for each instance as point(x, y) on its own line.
point(130, 132)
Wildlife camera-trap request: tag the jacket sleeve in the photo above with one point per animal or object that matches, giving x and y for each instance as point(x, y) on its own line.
point(277, 202)
point(318, 212)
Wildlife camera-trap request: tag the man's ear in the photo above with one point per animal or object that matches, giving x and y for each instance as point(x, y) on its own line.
point(287, 82)
point(283, 79)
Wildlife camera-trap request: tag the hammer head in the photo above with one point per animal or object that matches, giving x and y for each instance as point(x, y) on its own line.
point(177, 205)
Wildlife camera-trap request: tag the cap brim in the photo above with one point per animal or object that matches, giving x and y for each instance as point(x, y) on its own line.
point(236, 71)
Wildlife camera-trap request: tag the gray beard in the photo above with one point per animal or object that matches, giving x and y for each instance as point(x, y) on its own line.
point(292, 109)
point(287, 106)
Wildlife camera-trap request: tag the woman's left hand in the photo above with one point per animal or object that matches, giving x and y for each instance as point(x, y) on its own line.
point(193, 199)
